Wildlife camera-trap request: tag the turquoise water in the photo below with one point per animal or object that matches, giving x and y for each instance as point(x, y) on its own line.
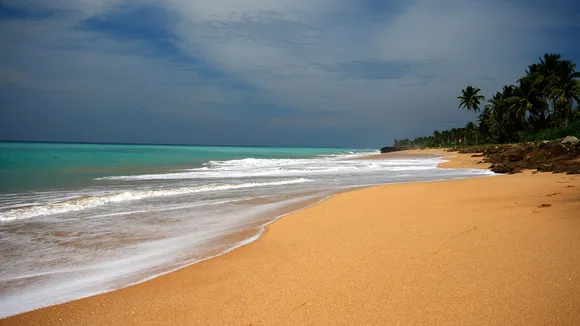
point(81, 219)
point(41, 166)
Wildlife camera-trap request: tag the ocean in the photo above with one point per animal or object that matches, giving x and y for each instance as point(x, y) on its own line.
point(82, 219)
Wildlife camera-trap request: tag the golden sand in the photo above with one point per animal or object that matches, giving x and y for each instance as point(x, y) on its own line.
point(501, 250)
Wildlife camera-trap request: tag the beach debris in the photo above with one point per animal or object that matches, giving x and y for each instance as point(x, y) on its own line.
point(545, 205)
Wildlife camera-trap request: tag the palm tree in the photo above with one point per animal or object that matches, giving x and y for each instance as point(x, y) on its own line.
point(446, 135)
point(455, 134)
point(470, 132)
point(437, 138)
point(565, 87)
point(542, 73)
point(525, 100)
point(549, 63)
point(494, 107)
point(470, 98)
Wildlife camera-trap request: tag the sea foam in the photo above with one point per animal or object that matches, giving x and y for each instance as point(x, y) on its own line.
point(121, 229)
point(86, 202)
point(252, 168)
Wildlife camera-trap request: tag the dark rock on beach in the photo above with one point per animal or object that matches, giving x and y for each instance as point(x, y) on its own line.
point(388, 149)
point(501, 168)
point(561, 156)
point(570, 140)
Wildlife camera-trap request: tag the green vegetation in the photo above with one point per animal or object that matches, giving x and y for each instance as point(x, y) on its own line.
point(539, 107)
point(470, 98)
point(556, 132)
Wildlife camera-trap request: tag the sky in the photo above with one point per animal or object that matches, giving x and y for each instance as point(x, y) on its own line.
point(339, 73)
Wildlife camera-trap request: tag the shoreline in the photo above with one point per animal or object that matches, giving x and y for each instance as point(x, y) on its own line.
point(453, 160)
point(189, 276)
point(253, 231)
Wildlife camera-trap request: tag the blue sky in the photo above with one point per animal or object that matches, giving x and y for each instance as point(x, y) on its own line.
point(347, 73)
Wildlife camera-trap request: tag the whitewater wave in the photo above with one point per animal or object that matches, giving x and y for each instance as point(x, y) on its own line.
point(252, 167)
point(86, 202)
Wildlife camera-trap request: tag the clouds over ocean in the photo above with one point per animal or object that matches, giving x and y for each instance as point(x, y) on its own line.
point(322, 73)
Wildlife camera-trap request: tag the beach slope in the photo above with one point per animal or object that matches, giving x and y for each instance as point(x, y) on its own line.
point(483, 251)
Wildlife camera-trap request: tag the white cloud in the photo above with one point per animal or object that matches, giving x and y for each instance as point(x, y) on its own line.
point(282, 50)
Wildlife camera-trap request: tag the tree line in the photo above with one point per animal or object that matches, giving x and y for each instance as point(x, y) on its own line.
point(543, 104)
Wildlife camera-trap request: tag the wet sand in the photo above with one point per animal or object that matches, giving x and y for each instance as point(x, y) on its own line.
point(454, 160)
point(483, 251)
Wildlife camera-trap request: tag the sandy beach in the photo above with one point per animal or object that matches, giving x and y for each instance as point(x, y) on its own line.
point(501, 250)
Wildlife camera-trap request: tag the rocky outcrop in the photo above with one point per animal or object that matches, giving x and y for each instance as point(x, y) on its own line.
point(570, 140)
point(561, 156)
point(388, 149)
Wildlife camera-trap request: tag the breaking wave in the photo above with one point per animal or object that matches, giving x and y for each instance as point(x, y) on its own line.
point(85, 202)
